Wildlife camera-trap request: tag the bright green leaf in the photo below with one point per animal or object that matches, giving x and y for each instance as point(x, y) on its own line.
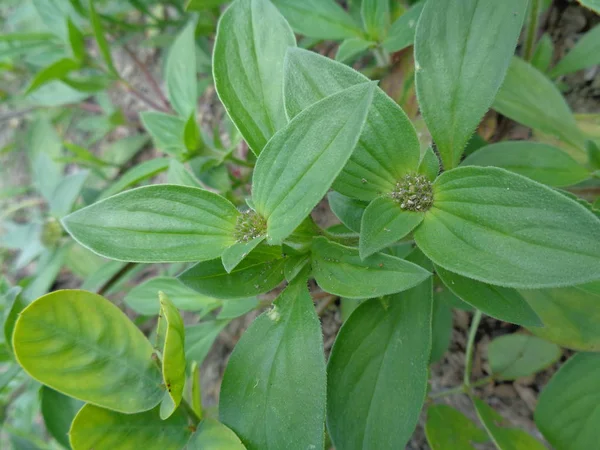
point(180, 72)
point(351, 48)
point(160, 223)
point(191, 134)
point(449, 429)
point(376, 17)
point(501, 228)
point(82, 345)
point(248, 68)
point(402, 31)
point(58, 412)
point(213, 435)
point(202, 5)
point(585, 54)
point(273, 389)
point(348, 210)
point(514, 356)
point(101, 39)
point(462, 51)
point(299, 164)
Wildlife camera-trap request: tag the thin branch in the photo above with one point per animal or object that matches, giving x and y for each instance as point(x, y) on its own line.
point(151, 80)
point(115, 278)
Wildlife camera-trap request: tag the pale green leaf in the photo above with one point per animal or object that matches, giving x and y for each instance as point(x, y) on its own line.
point(299, 164)
point(58, 412)
point(462, 51)
point(101, 39)
point(65, 194)
point(160, 223)
point(273, 389)
point(82, 345)
point(248, 68)
point(585, 54)
point(352, 48)
point(514, 356)
point(178, 174)
point(13, 305)
point(180, 72)
point(402, 31)
point(449, 429)
point(376, 17)
point(213, 435)
point(167, 131)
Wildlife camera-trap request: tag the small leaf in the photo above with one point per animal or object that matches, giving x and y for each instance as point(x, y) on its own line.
point(377, 372)
point(501, 228)
point(211, 434)
point(299, 164)
point(542, 56)
point(232, 256)
point(180, 72)
point(54, 71)
point(339, 270)
point(160, 223)
point(294, 266)
point(97, 428)
point(135, 175)
point(199, 339)
point(167, 131)
point(449, 429)
point(65, 194)
point(191, 134)
point(402, 31)
point(178, 174)
point(569, 406)
point(101, 39)
point(504, 438)
point(13, 305)
point(378, 161)
point(76, 40)
point(58, 412)
point(348, 210)
point(259, 272)
point(499, 302)
point(248, 68)
point(273, 389)
point(585, 54)
point(171, 338)
point(351, 48)
point(82, 345)
point(540, 162)
point(376, 17)
point(384, 223)
point(319, 19)
point(514, 356)
point(429, 165)
point(462, 51)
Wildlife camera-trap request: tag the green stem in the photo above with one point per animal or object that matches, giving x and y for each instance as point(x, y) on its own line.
point(462, 389)
point(190, 412)
point(532, 27)
point(470, 345)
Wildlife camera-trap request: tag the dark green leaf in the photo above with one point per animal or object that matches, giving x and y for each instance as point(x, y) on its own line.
point(76, 40)
point(514, 356)
point(542, 57)
point(180, 72)
point(58, 412)
point(449, 429)
point(429, 165)
point(441, 328)
point(13, 305)
point(348, 210)
point(199, 339)
point(236, 308)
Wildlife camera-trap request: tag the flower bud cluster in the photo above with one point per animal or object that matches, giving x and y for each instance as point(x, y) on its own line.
point(413, 193)
point(250, 225)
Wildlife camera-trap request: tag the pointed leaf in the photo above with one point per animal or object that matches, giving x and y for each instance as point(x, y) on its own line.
point(82, 345)
point(299, 164)
point(248, 68)
point(449, 429)
point(429, 165)
point(585, 54)
point(167, 131)
point(101, 39)
point(76, 40)
point(594, 5)
point(160, 223)
point(352, 48)
point(514, 356)
point(232, 256)
point(376, 17)
point(211, 434)
point(273, 389)
point(543, 54)
point(135, 175)
point(402, 31)
point(462, 51)
point(54, 71)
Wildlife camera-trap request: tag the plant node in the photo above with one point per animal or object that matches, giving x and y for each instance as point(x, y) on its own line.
point(249, 225)
point(413, 193)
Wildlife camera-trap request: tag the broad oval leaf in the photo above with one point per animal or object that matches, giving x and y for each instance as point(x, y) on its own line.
point(501, 303)
point(299, 164)
point(248, 68)
point(568, 409)
point(160, 223)
point(259, 272)
point(462, 51)
point(514, 356)
point(82, 345)
point(98, 428)
point(58, 412)
point(213, 435)
point(378, 369)
point(585, 54)
point(180, 72)
point(339, 270)
point(388, 147)
point(273, 389)
point(501, 228)
point(540, 162)
point(449, 429)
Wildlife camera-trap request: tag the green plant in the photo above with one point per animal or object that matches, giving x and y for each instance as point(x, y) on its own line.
point(423, 228)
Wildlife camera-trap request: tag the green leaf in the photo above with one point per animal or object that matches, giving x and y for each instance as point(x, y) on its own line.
point(160, 223)
point(211, 434)
point(585, 54)
point(499, 302)
point(514, 356)
point(527, 96)
point(378, 161)
point(170, 341)
point(259, 272)
point(143, 298)
point(376, 17)
point(202, 5)
point(248, 68)
point(273, 389)
point(378, 369)
point(384, 223)
point(13, 305)
point(594, 5)
point(180, 72)
point(568, 408)
point(501, 228)
point(339, 270)
point(571, 315)
point(236, 308)
point(82, 345)
point(449, 429)
point(299, 164)
point(58, 412)
point(540, 162)
point(191, 134)
point(319, 19)
point(167, 131)
point(232, 256)
point(402, 31)
point(351, 48)
point(294, 266)
point(542, 56)
point(348, 210)
point(504, 438)
point(441, 328)
point(67, 191)
point(429, 164)
point(178, 174)
point(76, 40)
point(54, 71)
point(462, 51)
point(96, 22)
point(99, 428)
point(199, 339)
point(136, 174)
